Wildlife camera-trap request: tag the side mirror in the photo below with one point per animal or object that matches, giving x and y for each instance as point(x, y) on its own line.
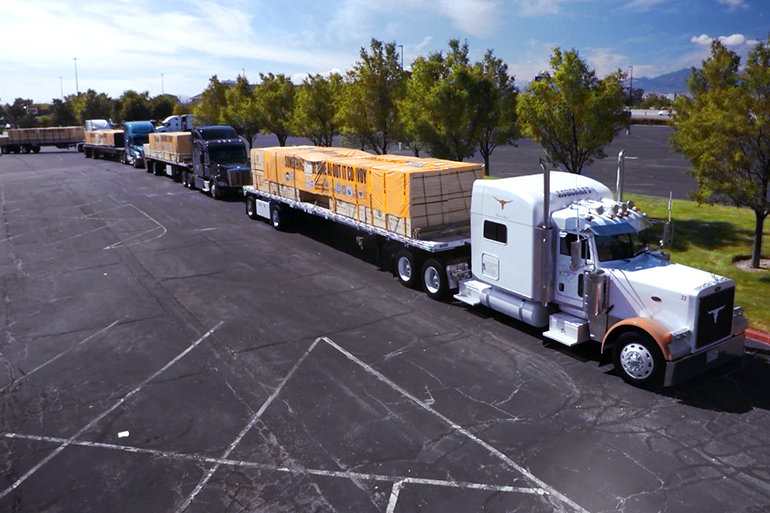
point(575, 258)
point(668, 234)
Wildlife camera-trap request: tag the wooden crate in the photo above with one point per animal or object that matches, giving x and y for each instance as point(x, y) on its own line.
point(171, 142)
point(104, 137)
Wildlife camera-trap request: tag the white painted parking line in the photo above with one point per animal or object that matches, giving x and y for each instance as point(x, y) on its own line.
point(99, 417)
point(251, 423)
point(28, 374)
point(338, 474)
point(125, 242)
point(545, 487)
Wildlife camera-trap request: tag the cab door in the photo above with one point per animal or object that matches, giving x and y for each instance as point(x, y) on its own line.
point(569, 282)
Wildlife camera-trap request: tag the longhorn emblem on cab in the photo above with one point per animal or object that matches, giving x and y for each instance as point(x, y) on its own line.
point(715, 312)
point(503, 203)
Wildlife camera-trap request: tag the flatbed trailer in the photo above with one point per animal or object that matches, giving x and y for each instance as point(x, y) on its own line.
point(437, 261)
point(30, 140)
point(170, 163)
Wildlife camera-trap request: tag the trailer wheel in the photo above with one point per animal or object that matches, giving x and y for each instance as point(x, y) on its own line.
point(434, 279)
point(36, 149)
point(407, 268)
point(25, 149)
point(251, 207)
point(638, 359)
point(138, 163)
point(279, 217)
point(87, 152)
point(149, 166)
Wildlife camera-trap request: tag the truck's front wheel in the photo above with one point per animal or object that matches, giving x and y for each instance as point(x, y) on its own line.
point(638, 359)
point(434, 279)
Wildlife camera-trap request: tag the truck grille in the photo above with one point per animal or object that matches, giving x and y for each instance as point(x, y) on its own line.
point(715, 317)
point(239, 177)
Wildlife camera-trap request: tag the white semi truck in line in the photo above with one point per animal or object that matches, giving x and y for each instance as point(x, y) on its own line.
point(556, 250)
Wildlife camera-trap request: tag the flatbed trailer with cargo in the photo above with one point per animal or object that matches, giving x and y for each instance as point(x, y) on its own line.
point(30, 140)
point(212, 159)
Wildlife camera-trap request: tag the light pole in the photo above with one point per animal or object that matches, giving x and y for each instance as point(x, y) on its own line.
point(77, 87)
point(402, 55)
point(631, 88)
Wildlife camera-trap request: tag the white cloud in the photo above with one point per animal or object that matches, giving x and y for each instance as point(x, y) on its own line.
point(733, 40)
point(702, 39)
point(478, 18)
point(604, 61)
point(644, 5)
point(734, 5)
point(538, 7)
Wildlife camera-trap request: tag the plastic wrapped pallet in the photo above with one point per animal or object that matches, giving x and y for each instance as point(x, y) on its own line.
point(171, 142)
point(104, 137)
point(405, 195)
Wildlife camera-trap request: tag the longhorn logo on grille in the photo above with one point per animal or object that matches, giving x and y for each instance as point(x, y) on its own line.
point(715, 312)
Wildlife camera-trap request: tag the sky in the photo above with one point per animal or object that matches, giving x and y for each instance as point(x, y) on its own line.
point(175, 46)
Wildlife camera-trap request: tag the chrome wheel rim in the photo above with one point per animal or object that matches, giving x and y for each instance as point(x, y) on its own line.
point(432, 280)
point(404, 269)
point(637, 361)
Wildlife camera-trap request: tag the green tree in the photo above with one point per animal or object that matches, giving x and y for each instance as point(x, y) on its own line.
point(571, 113)
point(442, 106)
point(210, 108)
point(498, 123)
point(656, 101)
point(368, 104)
point(724, 130)
point(91, 105)
point(132, 106)
point(240, 111)
point(19, 114)
point(63, 113)
point(162, 106)
point(274, 102)
point(315, 109)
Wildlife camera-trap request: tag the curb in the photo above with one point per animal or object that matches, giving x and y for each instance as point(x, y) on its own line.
point(758, 336)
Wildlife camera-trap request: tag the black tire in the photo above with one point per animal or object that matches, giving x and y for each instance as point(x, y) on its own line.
point(280, 217)
point(149, 166)
point(184, 178)
point(406, 268)
point(122, 158)
point(214, 190)
point(87, 153)
point(25, 149)
point(190, 181)
point(36, 149)
point(251, 207)
point(434, 279)
point(138, 163)
point(638, 359)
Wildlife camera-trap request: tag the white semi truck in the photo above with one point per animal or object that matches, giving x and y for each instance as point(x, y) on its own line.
point(556, 250)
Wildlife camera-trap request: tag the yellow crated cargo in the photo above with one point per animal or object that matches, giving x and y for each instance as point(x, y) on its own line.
point(409, 196)
point(171, 146)
point(106, 137)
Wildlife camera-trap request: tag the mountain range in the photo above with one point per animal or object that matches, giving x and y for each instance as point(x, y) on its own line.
point(670, 83)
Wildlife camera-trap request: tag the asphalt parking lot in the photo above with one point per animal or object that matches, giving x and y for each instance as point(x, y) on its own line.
point(163, 353)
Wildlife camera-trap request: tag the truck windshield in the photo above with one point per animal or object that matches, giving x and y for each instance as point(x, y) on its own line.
point(141, 138)
point(228, 155)
point(622, 246)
